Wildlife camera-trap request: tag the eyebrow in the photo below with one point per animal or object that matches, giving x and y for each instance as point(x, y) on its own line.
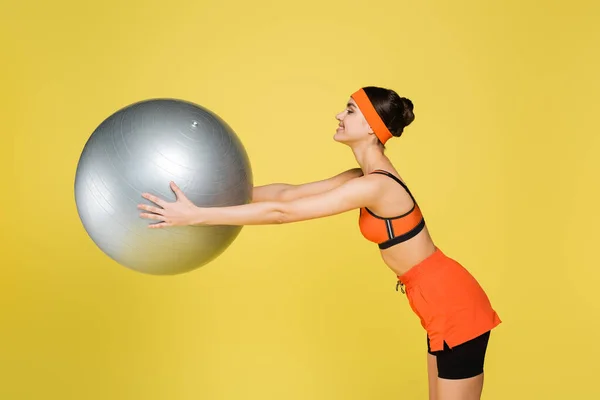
point(350, 105)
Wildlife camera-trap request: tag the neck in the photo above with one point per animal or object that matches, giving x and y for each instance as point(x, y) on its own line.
point(369, 156)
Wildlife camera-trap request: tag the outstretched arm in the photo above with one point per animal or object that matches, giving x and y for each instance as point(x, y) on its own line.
point(289, 192)
point(354, 194)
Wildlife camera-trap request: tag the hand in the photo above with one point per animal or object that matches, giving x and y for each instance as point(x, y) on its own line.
point(178, 213)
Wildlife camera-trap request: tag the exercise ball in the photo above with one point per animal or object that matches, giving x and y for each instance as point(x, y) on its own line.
point(141, 148)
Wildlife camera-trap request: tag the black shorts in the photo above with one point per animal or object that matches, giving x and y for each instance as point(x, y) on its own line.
point(462, 361)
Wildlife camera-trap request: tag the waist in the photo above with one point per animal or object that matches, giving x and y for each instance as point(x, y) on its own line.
point(424, 267)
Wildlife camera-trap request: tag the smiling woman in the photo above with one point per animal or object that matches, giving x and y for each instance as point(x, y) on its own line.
point(505, 137)
point(453, 308)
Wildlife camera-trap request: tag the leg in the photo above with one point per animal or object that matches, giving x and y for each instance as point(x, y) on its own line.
point(460, 389)
point(432, 372)
point(432, 375)
point(460, 370)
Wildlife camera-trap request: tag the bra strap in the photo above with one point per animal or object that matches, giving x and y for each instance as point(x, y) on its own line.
point(394, 177)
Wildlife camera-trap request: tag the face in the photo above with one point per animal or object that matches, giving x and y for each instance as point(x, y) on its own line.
point(353, 126)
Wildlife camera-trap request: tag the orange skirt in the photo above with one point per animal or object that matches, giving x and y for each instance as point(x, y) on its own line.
point(450, 303)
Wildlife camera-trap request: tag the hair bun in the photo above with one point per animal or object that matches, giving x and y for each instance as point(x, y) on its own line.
point(395, 111)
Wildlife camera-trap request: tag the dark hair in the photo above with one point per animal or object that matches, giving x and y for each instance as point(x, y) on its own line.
point(395, 111)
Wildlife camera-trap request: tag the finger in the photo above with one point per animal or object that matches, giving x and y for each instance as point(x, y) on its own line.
point(152, 209)
point(154, 199)
point(158, 225)
point(152, 216)
point(177, 190)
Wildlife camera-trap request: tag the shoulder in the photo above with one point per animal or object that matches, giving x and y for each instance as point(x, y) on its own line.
point(351, 173)
point(369, 186)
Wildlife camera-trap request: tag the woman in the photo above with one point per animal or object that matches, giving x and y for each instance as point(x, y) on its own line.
point(453, 308)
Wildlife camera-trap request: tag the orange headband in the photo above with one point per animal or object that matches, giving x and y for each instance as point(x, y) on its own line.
point(374, 120)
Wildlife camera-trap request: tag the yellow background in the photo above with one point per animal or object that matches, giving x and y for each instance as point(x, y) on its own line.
point(503, 157)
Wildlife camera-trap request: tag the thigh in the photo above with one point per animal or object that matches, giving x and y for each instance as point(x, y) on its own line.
point(460, 389)
point(463, 361)
point(432, 376)
point(460, 370)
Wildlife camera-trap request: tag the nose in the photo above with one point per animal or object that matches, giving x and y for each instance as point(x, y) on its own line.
point(339, 116)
